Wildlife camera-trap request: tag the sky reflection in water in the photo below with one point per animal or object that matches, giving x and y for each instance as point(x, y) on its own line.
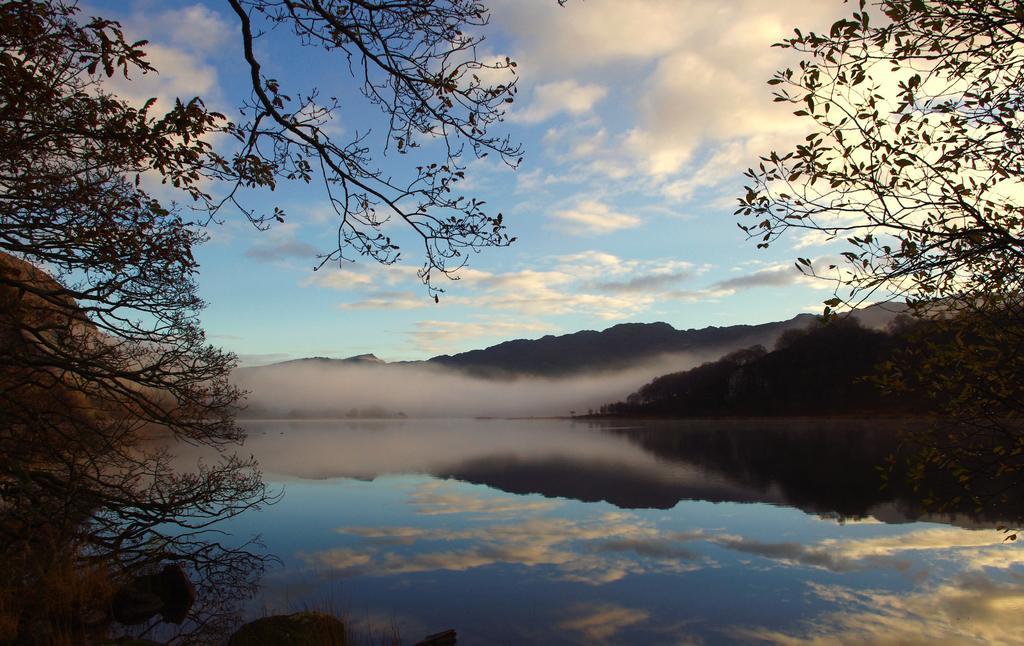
point(370, 525)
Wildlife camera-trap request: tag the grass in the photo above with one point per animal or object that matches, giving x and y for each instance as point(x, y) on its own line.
point(50, 597)
point(368, 631)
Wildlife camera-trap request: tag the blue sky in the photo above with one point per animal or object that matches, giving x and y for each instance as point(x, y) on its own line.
point(638, 118)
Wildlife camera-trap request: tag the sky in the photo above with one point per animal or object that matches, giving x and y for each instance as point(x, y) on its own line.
point(638, 118)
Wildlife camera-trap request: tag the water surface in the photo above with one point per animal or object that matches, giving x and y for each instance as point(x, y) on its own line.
point(560, 532)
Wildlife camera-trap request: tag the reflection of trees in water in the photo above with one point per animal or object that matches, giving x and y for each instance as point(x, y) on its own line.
point(72, 547)
point(969, 366)
point(822, 466)
point(223, 583)
point(827, 467)
point(64, 581)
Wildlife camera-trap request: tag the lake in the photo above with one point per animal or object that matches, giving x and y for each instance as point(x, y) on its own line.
point(573, 532)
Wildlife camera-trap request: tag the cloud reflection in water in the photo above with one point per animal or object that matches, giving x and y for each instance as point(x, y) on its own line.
point(597, 550)
point(968, 609)
point(599, 622)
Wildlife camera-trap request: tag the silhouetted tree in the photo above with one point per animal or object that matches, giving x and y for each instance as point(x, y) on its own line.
point(102, 352)
point(914, 151)
point(914, 157)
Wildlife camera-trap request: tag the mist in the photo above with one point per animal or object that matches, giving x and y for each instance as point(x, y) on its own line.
point(333, 389)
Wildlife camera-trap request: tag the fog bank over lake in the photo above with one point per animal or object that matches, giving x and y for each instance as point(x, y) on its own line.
point(328, 389)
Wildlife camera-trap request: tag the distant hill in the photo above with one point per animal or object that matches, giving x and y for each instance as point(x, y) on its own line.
point(365, 359)
point(617, 347)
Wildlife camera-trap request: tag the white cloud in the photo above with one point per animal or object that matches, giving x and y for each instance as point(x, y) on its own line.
point(357, 277)
point(527, 280)
point(590, 217)
point(685, 79)
point(775, 275)
point(584, 35)
point(182, 42)
point(193, 28)
point(594, 283)
point(280, 244)
point(389, 301)
point(813, 239)
point(570, 96)
point(693, 99)
point(180, 75)
point(552, 303)
point(590, 264)
point(537, 297)
point(597, 283)
point(724, 163)
point(334, 278)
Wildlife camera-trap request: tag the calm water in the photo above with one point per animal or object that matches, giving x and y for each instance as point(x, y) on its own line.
point(558, 532)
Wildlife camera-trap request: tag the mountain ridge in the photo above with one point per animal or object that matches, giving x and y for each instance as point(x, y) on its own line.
point(617, 347)
point(355, 359)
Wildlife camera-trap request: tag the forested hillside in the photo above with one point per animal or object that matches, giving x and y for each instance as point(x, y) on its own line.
point(815, 371)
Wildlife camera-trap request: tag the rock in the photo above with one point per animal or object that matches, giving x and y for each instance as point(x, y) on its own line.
point(169, 593)
point(299, 629)
point(135, 606)
point(178, 594)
